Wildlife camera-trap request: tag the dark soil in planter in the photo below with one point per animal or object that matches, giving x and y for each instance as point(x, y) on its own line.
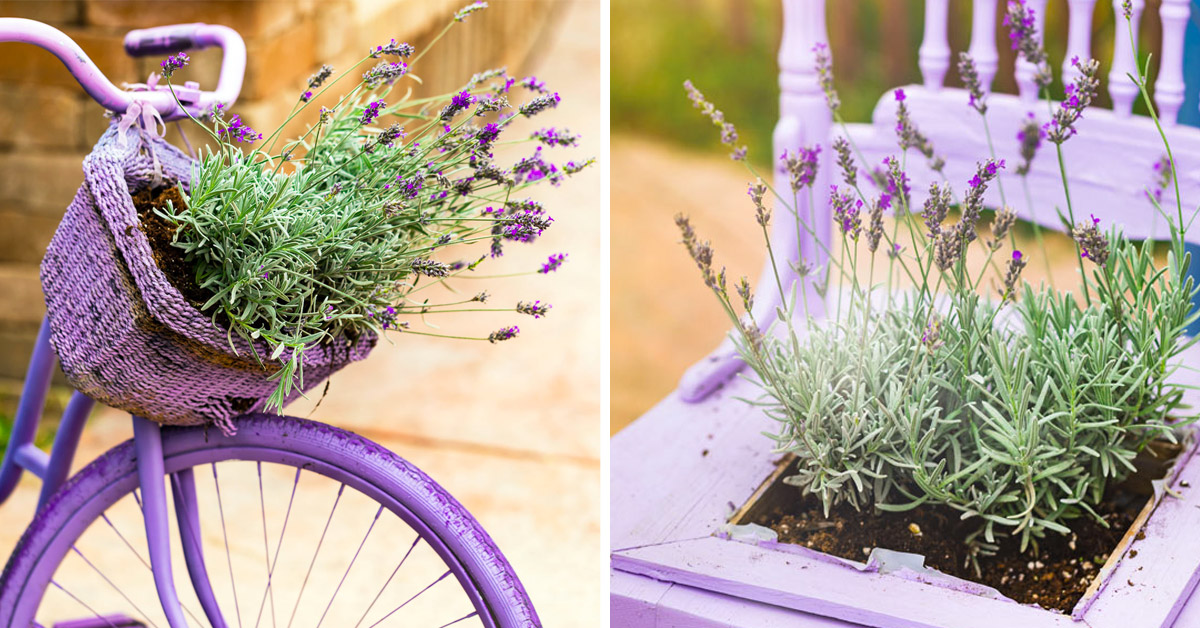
point(160, 232)
point(1055, 575)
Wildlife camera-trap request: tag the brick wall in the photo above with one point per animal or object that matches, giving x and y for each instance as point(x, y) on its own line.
point(47, 123)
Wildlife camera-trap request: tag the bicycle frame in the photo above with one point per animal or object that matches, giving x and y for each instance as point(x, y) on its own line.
point(54, 467)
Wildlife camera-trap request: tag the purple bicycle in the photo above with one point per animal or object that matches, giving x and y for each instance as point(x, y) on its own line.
point(288, 522)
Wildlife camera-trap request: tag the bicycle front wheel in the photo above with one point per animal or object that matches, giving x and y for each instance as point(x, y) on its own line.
point(300, 524)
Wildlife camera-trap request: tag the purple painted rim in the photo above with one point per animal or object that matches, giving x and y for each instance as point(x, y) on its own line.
point(482, 571)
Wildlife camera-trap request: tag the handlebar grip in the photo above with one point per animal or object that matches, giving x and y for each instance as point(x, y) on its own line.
point(161, 40)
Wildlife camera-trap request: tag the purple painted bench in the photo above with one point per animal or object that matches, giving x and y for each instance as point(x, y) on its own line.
point(681, 469)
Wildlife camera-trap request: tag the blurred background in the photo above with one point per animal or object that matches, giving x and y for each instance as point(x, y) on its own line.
point(512, 430)
point(667, 158)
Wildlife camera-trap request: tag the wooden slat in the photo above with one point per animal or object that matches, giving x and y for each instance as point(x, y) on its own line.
point(795, 581)
point(1155, 579)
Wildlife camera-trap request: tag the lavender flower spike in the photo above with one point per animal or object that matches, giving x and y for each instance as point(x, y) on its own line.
point(729, 135)
point(370, 112)
point(977, 99)
point(553, 263)
point(1011, 276)
point(468, 10)
point(825, 75)
point(1030, 135)
point(1078, 95)
point(1022, 32)
point(172, 63)
point(536, 309)
point(801, 167)
point(1093, 244)
point(504, 333)
point(846, 162)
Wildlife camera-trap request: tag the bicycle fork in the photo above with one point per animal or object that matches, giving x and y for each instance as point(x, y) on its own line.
point(147, 437)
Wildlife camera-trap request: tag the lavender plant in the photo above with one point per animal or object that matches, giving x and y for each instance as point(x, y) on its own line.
point(344, 229)
point(1017, 406)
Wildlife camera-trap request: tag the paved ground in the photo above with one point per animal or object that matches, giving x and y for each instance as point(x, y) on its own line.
point(513, 430)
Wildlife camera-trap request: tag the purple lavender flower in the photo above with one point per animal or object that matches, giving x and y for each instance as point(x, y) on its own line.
point(386, 137)
point(370, 112)
point(932, 336)
point(172, 63)
point(1022, 33)
point(552, 263)
point(469, 9)
point(1127, 9)
point(910, 137)
point(896, 182)
point(536, 309)
point(572, 167)
point(1093, 244)
point(1163, 175)
point(429, 268)
point(532, 84)
point(539, 104)
point(1078, 95)
point(458, 102)
point(392, 48)
point(238, 131)
point(487, 135)
point(757, 191)
point(551, 136)
point(320, 76)
point(1002, 224)
point(937, 205)
point(702, 254)
point(801, 167)
point(729, 135)
point(1030, 135)
point(846, 212)
point(970, 77)
point(825, 75)
point(534, 168)
point(384, 73)
point(504, 333)
point(1011, 276)
point(874, 226)
point(846, 162)
point(306, 96)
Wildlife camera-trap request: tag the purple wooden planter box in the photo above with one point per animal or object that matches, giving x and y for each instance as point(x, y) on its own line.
point(670, 568)
point(124, 335)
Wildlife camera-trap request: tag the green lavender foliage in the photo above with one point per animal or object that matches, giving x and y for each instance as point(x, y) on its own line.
point(334, 234)
point(1018, 412)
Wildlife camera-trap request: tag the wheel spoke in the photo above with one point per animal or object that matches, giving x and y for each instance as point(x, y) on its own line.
point(111, 584)
point(84, 604)
point(124, 540)
point(228, 558)
point(463, 618)
point(278, 546)
point(315, 552)
point(348, 567)
point(389, 581)
point(418, 594)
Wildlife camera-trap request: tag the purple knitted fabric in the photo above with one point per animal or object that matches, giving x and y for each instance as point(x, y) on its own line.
point(124, 335)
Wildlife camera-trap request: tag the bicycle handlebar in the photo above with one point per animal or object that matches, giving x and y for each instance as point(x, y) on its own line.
point(149, 41)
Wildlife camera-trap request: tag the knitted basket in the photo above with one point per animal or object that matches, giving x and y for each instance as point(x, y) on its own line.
point(124, 335)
